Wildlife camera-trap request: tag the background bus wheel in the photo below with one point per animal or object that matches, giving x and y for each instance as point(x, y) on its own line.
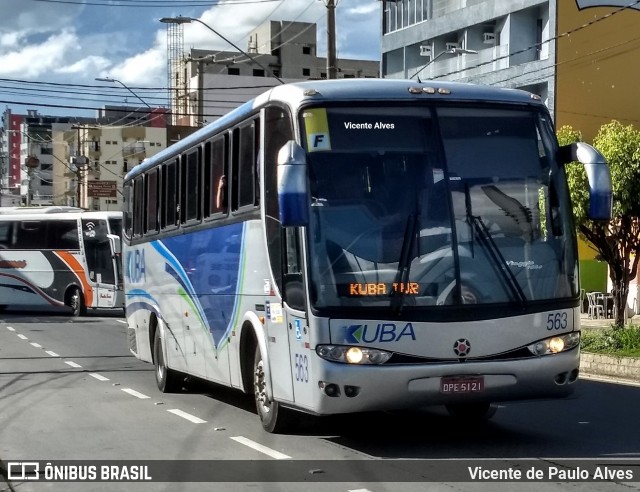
point(167, 379)
point(76, 302)
point(274, 418)
point(472, 411)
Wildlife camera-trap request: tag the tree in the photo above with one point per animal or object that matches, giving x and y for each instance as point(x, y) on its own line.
point(617, 242)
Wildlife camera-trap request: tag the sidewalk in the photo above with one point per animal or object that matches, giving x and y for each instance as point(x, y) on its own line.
point(585, 322)
point(614, 369)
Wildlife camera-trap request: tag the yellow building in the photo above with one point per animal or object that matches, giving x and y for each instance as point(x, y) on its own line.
point(598, 65)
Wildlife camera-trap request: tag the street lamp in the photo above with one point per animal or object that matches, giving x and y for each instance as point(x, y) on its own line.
point(451, 51)
point(188, 20)
point(109, 79)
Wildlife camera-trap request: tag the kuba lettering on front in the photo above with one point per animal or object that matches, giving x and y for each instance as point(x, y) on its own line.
point(378, 333)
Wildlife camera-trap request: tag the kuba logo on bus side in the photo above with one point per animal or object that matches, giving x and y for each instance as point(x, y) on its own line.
point(380, 333)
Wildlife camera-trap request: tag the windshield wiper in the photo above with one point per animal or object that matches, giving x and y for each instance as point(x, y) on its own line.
point(484, 235)
point(404, 263)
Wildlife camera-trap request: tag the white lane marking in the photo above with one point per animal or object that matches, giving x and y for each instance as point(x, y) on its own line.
point(359, 490)
point(135, 393)
point(10, 328)
point(51, 353)
point(72, 364)
point(263, 449)
point(121, 321)
point(99, 377)
point(36, 345)
point(22, 337)
point(188, 416)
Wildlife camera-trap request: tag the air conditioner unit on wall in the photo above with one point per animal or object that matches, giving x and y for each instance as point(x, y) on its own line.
point(425, 51)
point(489, 37)
point(452, 46)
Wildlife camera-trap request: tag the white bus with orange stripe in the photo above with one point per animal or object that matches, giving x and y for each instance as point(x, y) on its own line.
point(60, 258)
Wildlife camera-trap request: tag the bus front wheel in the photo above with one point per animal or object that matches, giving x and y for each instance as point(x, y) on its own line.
point(273, 416)
point(167, 379)
point(75, 301)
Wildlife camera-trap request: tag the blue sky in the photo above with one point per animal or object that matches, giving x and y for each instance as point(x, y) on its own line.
point(74, 41)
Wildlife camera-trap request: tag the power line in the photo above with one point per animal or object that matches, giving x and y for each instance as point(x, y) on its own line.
point(155, 3)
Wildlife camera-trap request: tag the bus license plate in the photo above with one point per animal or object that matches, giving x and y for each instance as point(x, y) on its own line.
point(467, 384)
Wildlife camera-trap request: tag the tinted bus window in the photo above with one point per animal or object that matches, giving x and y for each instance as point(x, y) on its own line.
point(152, 201)
point(31, 234)
point(215, 177)
point(169, 188)
point(63, 234)
point(191, 187)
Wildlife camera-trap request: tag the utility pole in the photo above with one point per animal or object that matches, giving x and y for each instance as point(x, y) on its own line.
point(332, 69)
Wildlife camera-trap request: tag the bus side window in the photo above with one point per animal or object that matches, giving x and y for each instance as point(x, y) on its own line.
point(151, 222)
point(190, 186)
point(244, 174)
point(169, 214)
point(277, 131)
point(6, 229)
point(138, 205)
point(215, 177)
point(293, 285)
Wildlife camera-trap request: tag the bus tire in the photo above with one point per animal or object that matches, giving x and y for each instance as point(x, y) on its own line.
point(168, 380)
point(76, 302)
point(275, 419)
point(471, 411)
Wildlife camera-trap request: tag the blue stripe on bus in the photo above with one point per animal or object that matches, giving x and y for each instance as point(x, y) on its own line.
point(207, 264)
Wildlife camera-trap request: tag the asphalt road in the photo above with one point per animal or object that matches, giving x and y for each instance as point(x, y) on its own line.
point(70, 390)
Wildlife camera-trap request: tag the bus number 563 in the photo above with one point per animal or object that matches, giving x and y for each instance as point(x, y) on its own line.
point(556, 321)
point(302, 368)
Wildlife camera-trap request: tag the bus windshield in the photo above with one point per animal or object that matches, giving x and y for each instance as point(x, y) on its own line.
point(436, 206)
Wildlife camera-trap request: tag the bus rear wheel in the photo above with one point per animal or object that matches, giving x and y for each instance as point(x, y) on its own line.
point(274, 417)
point(75, 302)
point(471, 411)
point(168, 380)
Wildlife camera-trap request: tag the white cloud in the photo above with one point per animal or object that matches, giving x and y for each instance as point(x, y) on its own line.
point(89, 65)
point(10, 39)
point(148, 68)
point(35, 60)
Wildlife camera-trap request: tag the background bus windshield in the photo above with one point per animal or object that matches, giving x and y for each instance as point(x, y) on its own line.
point(427, 206)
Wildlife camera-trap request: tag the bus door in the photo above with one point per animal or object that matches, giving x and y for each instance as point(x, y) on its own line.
point(101, 262)
point(295, 307)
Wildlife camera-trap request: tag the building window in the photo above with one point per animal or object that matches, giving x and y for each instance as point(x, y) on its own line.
point(233, 71)
point(276, 73)
point(258, 72)
point(323, 75)
point(306, 50)
point(306, 72)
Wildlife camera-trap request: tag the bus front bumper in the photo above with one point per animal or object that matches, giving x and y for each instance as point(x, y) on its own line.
point(343, 388)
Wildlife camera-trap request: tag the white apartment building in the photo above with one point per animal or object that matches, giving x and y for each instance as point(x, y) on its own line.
point(498, 42)
point(214, 82)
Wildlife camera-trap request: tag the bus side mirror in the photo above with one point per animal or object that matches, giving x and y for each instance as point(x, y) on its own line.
point(114, 241)
point(598, 174)
point(293, 188)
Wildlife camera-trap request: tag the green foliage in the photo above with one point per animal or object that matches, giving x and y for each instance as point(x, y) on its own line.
point(618, 241)
point(612, 341)
point(621, 147)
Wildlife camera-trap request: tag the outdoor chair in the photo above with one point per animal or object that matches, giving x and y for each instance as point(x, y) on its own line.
point(595, 310)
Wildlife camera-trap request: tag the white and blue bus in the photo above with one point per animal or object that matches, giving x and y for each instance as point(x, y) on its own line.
point(358, 245)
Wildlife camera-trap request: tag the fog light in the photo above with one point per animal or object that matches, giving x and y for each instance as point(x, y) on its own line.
point(556, 344)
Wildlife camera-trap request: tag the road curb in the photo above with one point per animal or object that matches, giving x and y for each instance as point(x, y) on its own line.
point(624, 368)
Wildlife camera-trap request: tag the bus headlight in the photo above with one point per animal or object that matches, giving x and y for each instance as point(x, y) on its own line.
point(554, 345)
point(352, 355)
